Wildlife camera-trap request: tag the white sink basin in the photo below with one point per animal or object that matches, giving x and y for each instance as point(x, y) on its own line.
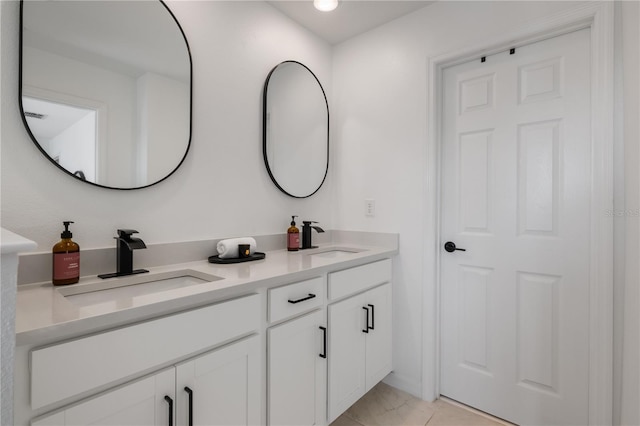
point(334, 252)
point(134, 288)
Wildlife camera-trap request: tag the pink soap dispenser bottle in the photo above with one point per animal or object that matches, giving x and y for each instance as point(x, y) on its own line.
point(293, 236)
point(66, 259)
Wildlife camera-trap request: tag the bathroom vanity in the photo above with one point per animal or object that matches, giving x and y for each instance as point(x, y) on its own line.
point(295, 338)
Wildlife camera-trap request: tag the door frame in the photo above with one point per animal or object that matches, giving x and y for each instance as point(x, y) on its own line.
point(101, 109)
point(599, 18)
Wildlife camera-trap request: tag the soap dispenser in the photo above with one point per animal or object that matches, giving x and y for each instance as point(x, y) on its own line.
point(66, 259)
point(293, 236)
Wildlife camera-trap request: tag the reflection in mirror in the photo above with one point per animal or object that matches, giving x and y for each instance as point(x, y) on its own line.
point(66, 133)
point(295, 129)
point(106, 88)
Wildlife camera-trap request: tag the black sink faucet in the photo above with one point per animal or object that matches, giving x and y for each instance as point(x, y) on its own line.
point(124, 252)
point(306, 234)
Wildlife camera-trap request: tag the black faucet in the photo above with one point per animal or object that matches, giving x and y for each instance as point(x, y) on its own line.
point(126, 245)
point(306, 234)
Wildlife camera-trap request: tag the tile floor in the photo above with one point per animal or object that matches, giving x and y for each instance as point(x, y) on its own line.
point(387, 406)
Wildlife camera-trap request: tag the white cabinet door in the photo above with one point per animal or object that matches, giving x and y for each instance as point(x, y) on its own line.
point(378, 340)
point(141, 403)
point(297, 372)
point(346, 354)
point(224, 385)
point(359, 346)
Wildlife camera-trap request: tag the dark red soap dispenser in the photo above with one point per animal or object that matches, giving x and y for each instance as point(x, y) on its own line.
point(66, 259)
point(293, 236)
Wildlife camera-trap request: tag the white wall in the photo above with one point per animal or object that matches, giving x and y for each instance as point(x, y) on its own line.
point(234, 45)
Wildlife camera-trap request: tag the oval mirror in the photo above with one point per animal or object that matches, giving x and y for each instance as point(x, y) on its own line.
point(295, 129)
point(105, 89)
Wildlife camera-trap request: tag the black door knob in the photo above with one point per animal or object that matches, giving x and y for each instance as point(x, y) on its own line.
point(450, 246)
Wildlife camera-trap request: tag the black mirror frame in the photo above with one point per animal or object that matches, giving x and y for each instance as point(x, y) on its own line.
point(264, 129)
point(74, 175)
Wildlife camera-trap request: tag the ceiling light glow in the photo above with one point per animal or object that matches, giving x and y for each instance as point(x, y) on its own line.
point(325, 5)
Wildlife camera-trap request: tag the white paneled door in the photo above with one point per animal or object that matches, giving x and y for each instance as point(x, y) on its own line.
point(516, 197)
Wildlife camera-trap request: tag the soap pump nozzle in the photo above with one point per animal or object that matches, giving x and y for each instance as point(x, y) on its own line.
point(293, 220)
point(66, 234)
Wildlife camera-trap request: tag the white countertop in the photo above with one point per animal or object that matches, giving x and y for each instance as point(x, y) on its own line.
point(14, 243)
point(44, 314)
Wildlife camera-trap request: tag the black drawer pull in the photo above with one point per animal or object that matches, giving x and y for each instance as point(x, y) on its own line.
point(366, 323)
point(170, 402)
point(188, 390)
point(310, 296)
point(373, 324)
point(324, 347)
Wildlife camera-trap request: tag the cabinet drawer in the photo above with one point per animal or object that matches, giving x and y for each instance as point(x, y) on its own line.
point(354, 280)
point(67, 369)
point(295, 298)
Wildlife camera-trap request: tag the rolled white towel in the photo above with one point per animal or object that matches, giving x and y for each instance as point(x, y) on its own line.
point(229, 248)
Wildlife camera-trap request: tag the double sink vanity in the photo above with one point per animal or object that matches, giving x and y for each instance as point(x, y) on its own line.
point(295, 338)
point(292, 339)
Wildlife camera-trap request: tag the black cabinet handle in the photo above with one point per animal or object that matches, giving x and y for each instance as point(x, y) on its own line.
point(310, 296)
point(324, 346)
point(450, 246)
point(188, 390)
point(366, 327)
point(373, 324)
point(170, 401)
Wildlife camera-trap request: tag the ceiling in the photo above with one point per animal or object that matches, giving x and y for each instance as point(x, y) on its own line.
point(352, 17)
